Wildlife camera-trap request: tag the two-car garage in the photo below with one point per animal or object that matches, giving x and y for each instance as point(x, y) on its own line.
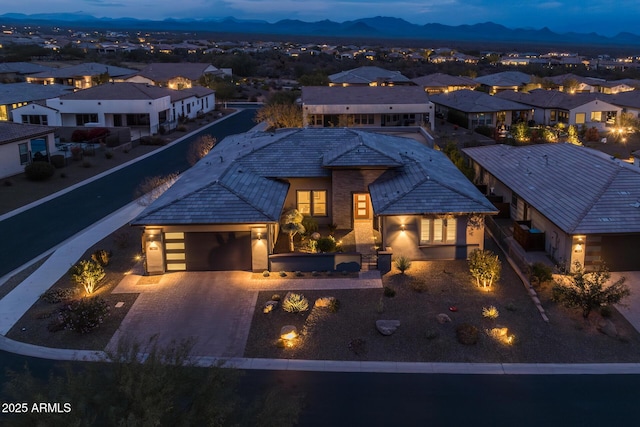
point(207, 251)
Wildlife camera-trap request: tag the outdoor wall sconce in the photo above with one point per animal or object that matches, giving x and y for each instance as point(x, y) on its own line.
point(402, 228)
point(259, 236)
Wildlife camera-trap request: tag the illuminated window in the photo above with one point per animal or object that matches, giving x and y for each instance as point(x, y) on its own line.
point(312, 202)
point(3, 113)
point(596, 116)
point(437, 231)
point(580, 118)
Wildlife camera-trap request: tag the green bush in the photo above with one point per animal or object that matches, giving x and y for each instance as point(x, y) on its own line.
point(39, 171)
point(467, 334)
point(334, 305)
point(57, 295)
point(102, 257)
point(108, 154)
point(283, 273)
point(490, 312)
point(326, 244)
point(310, 225)
point(83, 315)
point(295, 303)
point(542, 272)
point(389, 292)
point(266, 273)
point(87, 274)
point(402, 263)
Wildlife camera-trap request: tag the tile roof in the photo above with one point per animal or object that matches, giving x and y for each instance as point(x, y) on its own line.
point(363, 95)
point(243, 178)
point(471, 101)
point(505, 79)
point(582, 191)
point(23, 68)
point(162, 72)
point(134, 91)
point(88, 69)
point(12, 132)
point(552, 98)
point(444, 80)
point(11, 93)
point(625, 99)
point(366, 75)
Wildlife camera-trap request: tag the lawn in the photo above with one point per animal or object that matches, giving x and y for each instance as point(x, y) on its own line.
point(425, 291)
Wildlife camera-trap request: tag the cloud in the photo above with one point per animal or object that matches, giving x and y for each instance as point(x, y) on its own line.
point(103, 3)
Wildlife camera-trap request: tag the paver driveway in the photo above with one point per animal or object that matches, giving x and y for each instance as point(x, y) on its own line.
point(213, 307)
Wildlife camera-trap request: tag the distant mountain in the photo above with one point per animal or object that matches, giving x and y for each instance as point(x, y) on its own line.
point(378, 27)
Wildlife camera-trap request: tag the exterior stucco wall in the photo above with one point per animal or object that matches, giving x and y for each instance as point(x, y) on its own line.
point(311, 184)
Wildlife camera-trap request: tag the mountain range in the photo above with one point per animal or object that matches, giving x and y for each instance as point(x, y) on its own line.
point(370, 28)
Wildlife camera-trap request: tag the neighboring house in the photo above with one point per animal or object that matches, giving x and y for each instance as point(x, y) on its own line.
point(368, 76)
point(582, 203)
point(134, 105)
point(471, 109)
point(17, 71)
point(573, 83)
point(176, 75)
point(20, 144)
point(223, 213)
point(506, 80)
point(356, 106)
point(628, 101)
point(15, 95)
point(580, 109)
point(81, 76)
point(444, 83)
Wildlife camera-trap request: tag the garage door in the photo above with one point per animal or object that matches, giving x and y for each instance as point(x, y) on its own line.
point(218, 251)
point(621, 252)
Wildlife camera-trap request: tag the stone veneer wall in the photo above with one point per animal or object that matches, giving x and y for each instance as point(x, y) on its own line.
point(345, 182)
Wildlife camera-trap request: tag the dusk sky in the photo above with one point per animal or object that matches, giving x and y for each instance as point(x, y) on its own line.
point(607, 17)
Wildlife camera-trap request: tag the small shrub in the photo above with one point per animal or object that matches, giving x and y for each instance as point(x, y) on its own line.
point(266, 273)
point(485, 267)
point(57, 295)
point(108, 154)
point(389, 292)
point(181, 128)
point(315, 273)
point(329, 273)
point(344, 272)
point(310, 225)
point(467, 334)
point(542, 272)
point(418, 285)
point(358, 346)
point(299, 274)
point(402, 263)
point(86, 164)
point(430, 334)
point(275, 297)
point(102, 257)
point(83, 315)
point(380, 306)
point(334, 305)
point(326, 244)
point(606, 311)
point(39, 171)
point(57, 160)
point(283, 273)
point(510, 306)
point(490, 312)
point(87, 274)
point(295, 303)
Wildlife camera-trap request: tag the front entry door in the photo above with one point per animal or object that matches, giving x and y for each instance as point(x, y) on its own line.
point(361, 206)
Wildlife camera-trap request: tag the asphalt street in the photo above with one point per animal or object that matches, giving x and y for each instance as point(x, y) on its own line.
point(30, 233)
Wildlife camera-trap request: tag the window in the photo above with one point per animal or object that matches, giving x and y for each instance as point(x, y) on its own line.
point(314, 119)
point(552, 115)
point(563, 117)
point(3, 113)
point(363, 119)
point(312, 202)
point(434, 231)
point(35, 120)
point(580, 118)
point(24, 153)
point(596, 116)
point(82, 119)
point(514, 199)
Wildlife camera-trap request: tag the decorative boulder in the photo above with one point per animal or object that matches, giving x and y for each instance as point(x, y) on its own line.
point(443, 318)
point(387, 327)
point(269, 306)
point(607, 327)
point(288, 332)
point(324, 302)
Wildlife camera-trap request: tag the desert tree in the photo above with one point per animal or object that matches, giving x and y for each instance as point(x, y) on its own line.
point(87, 274)
point(291, 223)
point(588, 290)
point(485, 267)
point(152, 187)
point(200, 148)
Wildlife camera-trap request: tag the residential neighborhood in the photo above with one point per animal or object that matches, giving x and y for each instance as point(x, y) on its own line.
point(343, 206)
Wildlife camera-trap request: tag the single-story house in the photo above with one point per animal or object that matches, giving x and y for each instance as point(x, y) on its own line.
point(134, 105)
point(366, 106)
point(572, 83)
point(11, 72)
point(552, 106)
point(368, 76)
point(470, 109)
point(176, 75)
point(20, 144)
point(80, 76)
point(444, 83)
point(15, 95)
point(506, 80)
point(580, 204)
point(223, 214)
point(628, 101)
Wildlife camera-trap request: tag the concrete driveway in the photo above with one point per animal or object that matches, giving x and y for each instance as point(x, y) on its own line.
point(213, 307)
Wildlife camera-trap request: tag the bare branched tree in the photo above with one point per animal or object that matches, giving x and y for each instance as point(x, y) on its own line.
point(200, 148)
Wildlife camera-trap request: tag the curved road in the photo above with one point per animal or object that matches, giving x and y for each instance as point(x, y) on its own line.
point(30, 233)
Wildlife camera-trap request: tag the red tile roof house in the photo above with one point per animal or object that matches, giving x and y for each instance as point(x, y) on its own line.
point(223, 214)
point(20, 143)
point(580, 204)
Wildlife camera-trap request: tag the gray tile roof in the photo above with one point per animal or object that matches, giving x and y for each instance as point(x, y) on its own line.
point(471, 101)
point(444, 80)
point(162, 72)
point(242, 179)
point(12, 132)
point(367, 95)
point(134, 91)
point(23, 68)
point(88, 69)
point(625, 99)
point(552, 98)
point(505, 79)
point(582, 191)
point(366, 75)
point(11, 93)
